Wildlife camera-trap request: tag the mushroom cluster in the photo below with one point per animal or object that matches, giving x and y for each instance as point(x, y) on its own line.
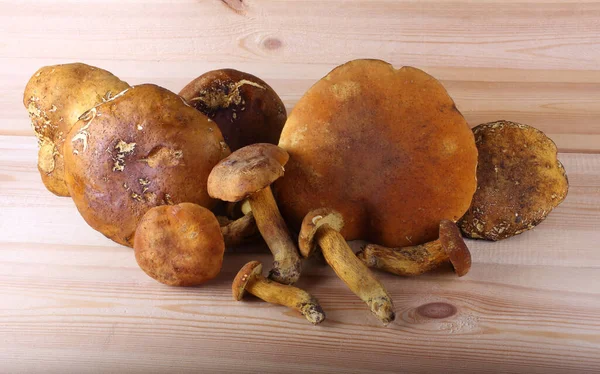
point(370, 152)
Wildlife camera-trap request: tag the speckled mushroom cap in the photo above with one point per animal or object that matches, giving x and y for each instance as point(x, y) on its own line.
point(55, 97)
point(247, 109)
point(246, 171)
point(143, 148)
point(311, 223)
point(385, 147)
point(519, 181)
point(455, 247)
point(238, 287)
point(179, 245)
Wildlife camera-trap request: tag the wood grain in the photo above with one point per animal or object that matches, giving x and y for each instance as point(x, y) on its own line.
point(536, 62)
point(73, 301)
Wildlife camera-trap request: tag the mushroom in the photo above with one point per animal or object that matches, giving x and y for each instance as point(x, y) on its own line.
point(179, 245)
point(386, 148)
point(519, 181)
point(55, 97)
point(247, 174)
point(321, 228)
point(250, 279)
point(247, 109)
point(142, 148)
point(239, 231)
point(416, 260)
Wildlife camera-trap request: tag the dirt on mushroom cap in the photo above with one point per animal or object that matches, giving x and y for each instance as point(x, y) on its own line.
point(55, 97)
point(247, 109)
point(141, 149)
point(520, 180)
point(386, 148)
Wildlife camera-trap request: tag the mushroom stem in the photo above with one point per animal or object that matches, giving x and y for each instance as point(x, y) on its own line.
point(238, 231)
point(354, 273)
point(286, 264)
point(406, 261)
point(290, 296)
point(416, 260)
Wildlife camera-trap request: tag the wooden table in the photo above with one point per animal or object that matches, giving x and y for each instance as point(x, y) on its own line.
point(73, 301)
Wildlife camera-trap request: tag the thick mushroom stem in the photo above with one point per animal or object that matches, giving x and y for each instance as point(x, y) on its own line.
point(406, 261)
point(419, 259)
point(290, 296)
point(354, 273)
point(286, 260)
point(239, 231)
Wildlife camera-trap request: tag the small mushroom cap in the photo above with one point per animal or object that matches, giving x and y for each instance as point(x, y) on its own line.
point(179, 245)
point(310, 225)
point(385, 147)
point(519, 181)
point(246, 108)
point(238, 287)
point(246, 171)
point(143, 148)
point(455, 247)
point(55, 97)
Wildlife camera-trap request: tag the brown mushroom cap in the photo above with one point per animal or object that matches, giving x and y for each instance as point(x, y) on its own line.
point(247, 109)
point(519, 181)
point(141, 149)
point(55, 97)
point(311, 223)
point(455, 247)
point(179, 245)
point(238, 287)
point(246, 171)
point(386, 148)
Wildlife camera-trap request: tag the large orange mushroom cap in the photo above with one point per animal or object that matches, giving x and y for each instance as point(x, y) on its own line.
point(385, 147)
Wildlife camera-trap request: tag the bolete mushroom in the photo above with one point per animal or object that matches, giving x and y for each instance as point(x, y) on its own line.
point(55, 97)
point(179, 245)
point(247, 174)
point(384, 147)
point(238, 231)
point(142, 148)
point(519, 181)
point(250, 279)
point(416, 260)
point(247, 109)
point(321, 229)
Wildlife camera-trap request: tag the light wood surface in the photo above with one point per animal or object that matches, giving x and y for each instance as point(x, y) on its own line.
point(73, 301)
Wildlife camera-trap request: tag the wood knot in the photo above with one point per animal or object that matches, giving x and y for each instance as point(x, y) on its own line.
point(237, 6)
point(272, 44)
point(437, 310)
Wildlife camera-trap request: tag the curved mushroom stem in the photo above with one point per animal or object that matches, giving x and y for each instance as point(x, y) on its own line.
point(419, 259)
point(406, 261)
point(290, 296)
point(354, 273)
point(239, 231)
point(286, 264)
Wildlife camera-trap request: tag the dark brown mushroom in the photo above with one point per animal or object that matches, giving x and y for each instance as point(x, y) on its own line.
point(246, 109)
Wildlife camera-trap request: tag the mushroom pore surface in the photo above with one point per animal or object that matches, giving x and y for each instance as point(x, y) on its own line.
point(385, 147)
point(519, 181)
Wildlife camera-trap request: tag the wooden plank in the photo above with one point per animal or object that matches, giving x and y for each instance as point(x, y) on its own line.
point(72, 298)
point(73, 301)
point(493, 56)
